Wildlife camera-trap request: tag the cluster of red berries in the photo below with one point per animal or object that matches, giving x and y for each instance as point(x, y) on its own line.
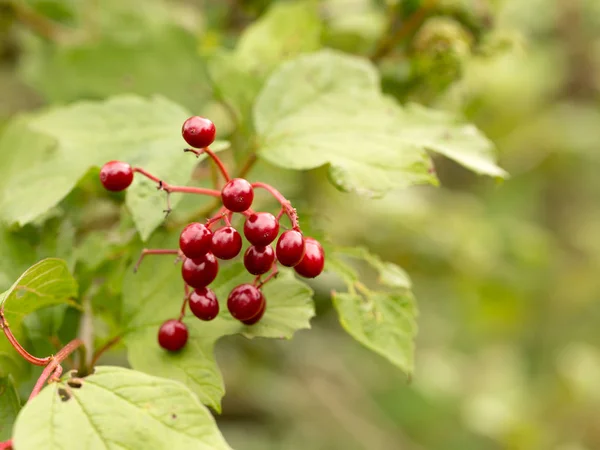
point(200, 247)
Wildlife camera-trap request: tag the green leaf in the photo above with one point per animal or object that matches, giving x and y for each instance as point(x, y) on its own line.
point(383, 319)
point(10, 404)
point(44, 284)
point(116, 409)
point(155, 294)
point(163, 61)
point(443, 133)
point(286, 30)
point(143, 132)
point(327, 108)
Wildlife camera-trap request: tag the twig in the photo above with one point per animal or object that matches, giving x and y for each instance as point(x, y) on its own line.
point(17, 346)
point(409, 26)
point(107, 346)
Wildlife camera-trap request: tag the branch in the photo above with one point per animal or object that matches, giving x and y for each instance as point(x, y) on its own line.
point(17, 346)
point(107, 346)
point(54, 367)
point(214, 157)
point(409, 26)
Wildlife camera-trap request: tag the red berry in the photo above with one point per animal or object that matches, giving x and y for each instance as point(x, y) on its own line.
point(257, 317)
point(172, 335)
point(237, 195)
point(261, 228)
point(200, 272)
point(313, 261)
point(245, 302)
point(258, 260)
point(226, 243)
point(204, 304)
point(198, 132)
point(116, 175)
point(290, 248)
point(195, 240)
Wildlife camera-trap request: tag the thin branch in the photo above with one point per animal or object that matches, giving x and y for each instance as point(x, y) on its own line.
point(36, 22)
point(52, 368)
point(155, 251)
point(17, 346)
point(169, 188)
point(391, 38)
point(107, 346)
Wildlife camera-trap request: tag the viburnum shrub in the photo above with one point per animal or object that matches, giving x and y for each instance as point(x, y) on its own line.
point(93, 272)
point(200, 247)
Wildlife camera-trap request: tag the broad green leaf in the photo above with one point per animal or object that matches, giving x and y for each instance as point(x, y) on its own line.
point(155, 294)
point(143, 132)
point(327, 108)
point(286, 30)
point(113, 66)
point(116, 409)
point(10, 404)
point(382, 319)
point(443, 133)
point(44, 284)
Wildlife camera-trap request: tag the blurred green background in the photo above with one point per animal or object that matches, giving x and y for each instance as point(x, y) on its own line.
point(507, 276)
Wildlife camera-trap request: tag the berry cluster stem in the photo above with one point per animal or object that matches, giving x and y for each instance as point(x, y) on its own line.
point(6, 445)
point(214, 157)
point(170, 188)
point(185, 301)
point(155, 251)
point(290, 211)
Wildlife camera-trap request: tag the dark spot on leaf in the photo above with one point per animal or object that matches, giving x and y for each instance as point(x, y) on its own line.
point(64, 394)
point(173, 416)
point(75, 383)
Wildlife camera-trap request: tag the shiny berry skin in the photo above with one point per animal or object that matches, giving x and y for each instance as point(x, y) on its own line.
point(258, 260)
point(204, 304)
point(198, 132)
point(257, 317)
point(116, 176)
point(172, 335)
point(237, 195)
point(226, 243)
point(245, 302)
point(290, 248)
point(261, 228)
point(195, 240)
point(200, 272)
point(313, 261)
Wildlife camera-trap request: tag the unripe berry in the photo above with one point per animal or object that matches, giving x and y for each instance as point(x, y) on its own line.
point(200, 272)
point(261, 228)
point(237, 195)
point(195, 240)
point(226, 243)
point(198, 132)
point(290, 248)
point(172, 335)
point(313, 261)
point(204, 304)
point(116, 176)
point(258, 260)
point(245, 302)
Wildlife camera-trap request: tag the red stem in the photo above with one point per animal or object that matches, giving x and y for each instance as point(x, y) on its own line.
point(53, 366)
point(6, 445)
point(17, 346)
point(169, 188)
point(285, 203)
point(273, 274)
point(214, 157)
point(185, 301)
point(154, 251)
